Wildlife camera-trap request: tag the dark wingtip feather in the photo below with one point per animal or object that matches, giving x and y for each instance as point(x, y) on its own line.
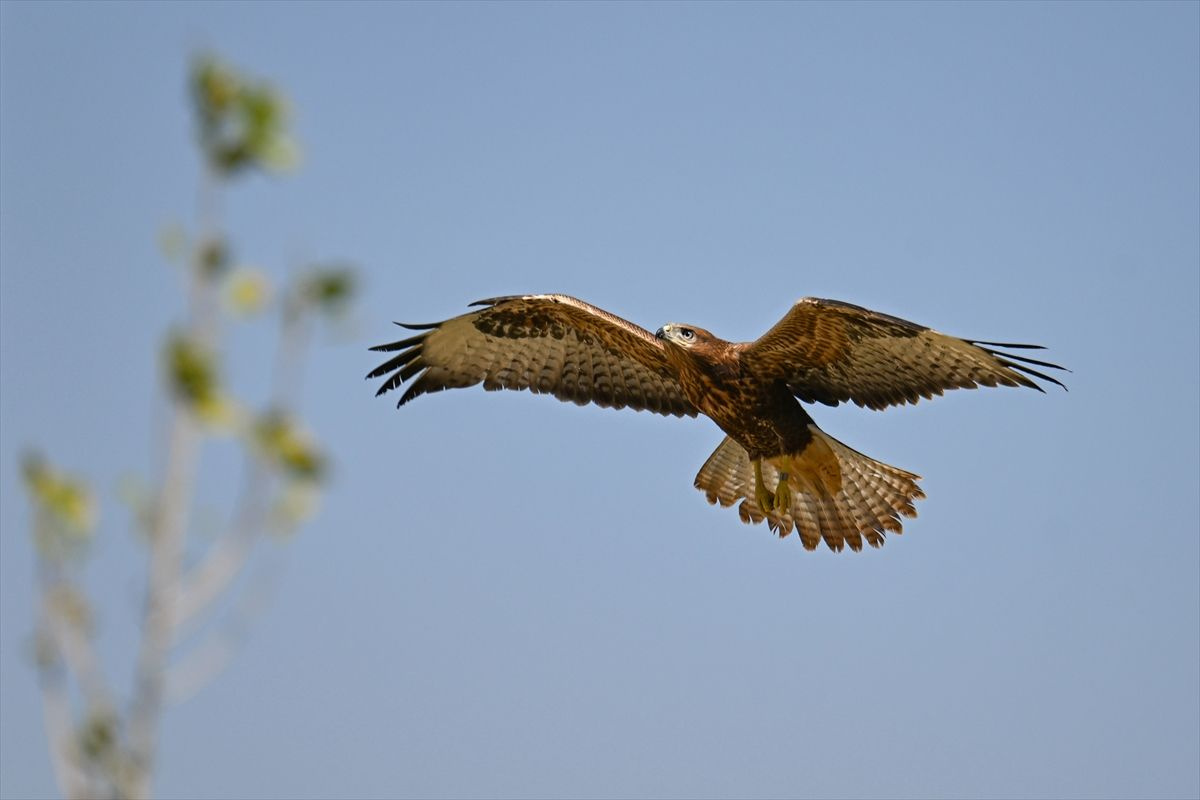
point(393, 364)
point(1025, 360)
point(1041, 375)
point(1009, 345)
point(1019, 364)
point(1022, 368)
point(400, 345)
point(415, 389)
point(491, 301)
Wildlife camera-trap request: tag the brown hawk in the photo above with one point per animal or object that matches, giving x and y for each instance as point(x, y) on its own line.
point(774, 459)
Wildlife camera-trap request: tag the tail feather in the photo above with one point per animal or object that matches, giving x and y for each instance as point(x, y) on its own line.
point(864, 501)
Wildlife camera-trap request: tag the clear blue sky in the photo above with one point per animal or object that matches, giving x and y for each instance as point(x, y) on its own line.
point(504, 595)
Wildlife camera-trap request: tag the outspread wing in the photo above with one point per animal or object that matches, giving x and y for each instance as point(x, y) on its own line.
point(550, 344)
point(831, 352)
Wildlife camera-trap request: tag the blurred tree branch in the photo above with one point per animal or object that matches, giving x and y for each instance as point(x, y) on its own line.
point(98, 749)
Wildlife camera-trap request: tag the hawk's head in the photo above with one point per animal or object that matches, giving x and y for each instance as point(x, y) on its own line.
point(686, 336)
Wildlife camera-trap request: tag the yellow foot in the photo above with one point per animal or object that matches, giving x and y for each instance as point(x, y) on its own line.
point(783, 493)
point(764, 498)
point(762, 495)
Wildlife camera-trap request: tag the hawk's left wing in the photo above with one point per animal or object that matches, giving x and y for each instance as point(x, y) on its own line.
point(831, 352)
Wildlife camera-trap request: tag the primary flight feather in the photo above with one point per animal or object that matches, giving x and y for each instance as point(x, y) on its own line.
point(822, 351)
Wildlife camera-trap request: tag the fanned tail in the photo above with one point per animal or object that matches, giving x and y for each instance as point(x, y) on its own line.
point(855, 499)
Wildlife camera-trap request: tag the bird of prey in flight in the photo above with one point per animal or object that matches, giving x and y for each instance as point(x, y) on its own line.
point(774, 459)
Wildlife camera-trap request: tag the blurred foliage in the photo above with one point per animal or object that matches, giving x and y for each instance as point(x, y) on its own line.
point(296, 504)
point(192, 376)
point(191, 369)
point(68, 605)
point(242, 127)
point(98, 736)
point(99, 745)
point(242, 124)
point(289, 448)
point(213, 258)
point(247, 292)
point(64, 504)
point(326, 288)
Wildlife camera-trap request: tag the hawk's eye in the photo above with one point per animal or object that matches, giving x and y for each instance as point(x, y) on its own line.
point(687, 333)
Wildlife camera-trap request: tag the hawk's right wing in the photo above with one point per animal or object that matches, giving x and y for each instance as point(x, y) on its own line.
point(550, 344)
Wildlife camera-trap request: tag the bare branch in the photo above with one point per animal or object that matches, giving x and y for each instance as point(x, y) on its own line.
point(169, 528)
point(56, 709)
point(210, 657)
point(226, 558)
point(158, 632)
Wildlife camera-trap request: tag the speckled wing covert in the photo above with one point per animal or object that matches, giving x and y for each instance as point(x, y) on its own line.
point(831, 352)
point(868, 503)
point(548, 343)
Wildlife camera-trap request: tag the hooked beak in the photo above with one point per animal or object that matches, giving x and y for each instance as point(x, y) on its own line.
point(661, 333)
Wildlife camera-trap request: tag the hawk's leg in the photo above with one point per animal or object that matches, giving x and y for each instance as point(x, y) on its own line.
point(762, 495)
point(783, 493)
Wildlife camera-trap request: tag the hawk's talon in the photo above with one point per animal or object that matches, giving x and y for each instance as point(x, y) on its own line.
point(783, 494)
point(762, 495)
point(764, 498)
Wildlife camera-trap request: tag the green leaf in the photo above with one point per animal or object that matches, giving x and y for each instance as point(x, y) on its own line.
point(98, 736)
point(328, 288)
point(242, 124)
point(191, 370)
point(289, 448)
point(213, 257)
point(67, 502)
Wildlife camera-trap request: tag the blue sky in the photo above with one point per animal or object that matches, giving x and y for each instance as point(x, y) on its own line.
point(504, 595)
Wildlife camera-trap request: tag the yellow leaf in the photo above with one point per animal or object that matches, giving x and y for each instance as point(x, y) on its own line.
point(218, 411)
point(297, 504)
point(68, 501)
point(248, 291)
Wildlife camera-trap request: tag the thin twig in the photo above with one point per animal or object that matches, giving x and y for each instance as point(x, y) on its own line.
point(158, 631)
point(210, 657)
point(56, 702)
point(69, 637)
point(225, 559)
